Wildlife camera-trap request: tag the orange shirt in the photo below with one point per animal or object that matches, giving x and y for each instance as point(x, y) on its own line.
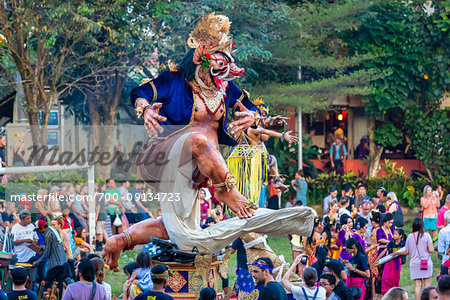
point(431, 210)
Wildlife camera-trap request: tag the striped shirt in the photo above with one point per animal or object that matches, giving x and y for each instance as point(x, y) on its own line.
point(53, 250)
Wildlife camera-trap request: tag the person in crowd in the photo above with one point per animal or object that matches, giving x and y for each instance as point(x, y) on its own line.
point(80, 239)
point(244, 281)
point(344, 204)
point(207, 293)
point(99, 265)
point(205, 206)
point(340, 289)
point(263, 274)
point(41, 268)
point(375, 219)
point(330, 236)
point(360, 229)
point(380, 195)
point(19, 277)
point(54, 252)
point(348, 193)
point(129, 210)
point(345, 233)
point(75, 205)
point(384, 235)
point(86, 287)
point(322, 259)
point(24, 235)
point(101, 234)
point(143, 213)
point(440, 193)
point(443, 288)
point(313, 240)
point(358, 267)
point(329, 198)
point(129, 290)
point(429, 293)
point(332, 212)
point(53, 201)
point(310, 290)
point(419, 246)
point(141, 277)
point(291, 202)
point(160, 277)
point(363, 191)
point(362, 150)
point(113, 205)
point(429, 206)
point(57, 223)
point(392, 269)
point(68, 226)
point(328, 282)
point(300, 187)
point(393, 207)
point(2, 151)
point(39, 207)
point(440, 222)
point(396, 293)
point(338, 155)
point(8, 216)
point(444, 237)
point(366, 209)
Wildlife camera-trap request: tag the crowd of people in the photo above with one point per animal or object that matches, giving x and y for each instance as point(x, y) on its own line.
point(356, 250)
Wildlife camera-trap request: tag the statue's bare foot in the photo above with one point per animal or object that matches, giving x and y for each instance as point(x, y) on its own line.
point(236, 202)
point(112, 249)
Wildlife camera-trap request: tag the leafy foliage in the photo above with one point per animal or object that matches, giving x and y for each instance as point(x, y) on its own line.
point(430, 137)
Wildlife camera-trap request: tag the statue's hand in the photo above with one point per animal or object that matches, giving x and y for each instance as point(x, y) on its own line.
point(246, 119)
point(151, 118)
point(291, 138)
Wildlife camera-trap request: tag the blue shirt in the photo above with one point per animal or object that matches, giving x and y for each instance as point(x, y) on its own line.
point(444, 242)
point(302, 189)
point(40, 243)
point(337, 150)
point(170, 89)
point(22, 295)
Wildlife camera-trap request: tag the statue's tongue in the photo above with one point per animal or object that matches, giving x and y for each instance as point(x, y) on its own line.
point(219, 83)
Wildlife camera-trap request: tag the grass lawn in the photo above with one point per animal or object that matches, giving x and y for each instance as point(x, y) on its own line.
point(281, 246)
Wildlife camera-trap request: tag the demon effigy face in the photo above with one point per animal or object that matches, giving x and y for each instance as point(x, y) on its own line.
point(214, 69)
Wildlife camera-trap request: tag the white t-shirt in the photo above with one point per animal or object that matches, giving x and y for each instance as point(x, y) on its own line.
point(126, 199)
point(22, 233)
point(107, 287)
point(297, 292)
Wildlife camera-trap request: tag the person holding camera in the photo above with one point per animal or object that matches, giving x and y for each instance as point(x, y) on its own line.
point(310, 291)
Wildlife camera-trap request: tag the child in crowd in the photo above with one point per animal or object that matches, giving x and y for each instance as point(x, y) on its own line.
point(130, 291)
point(392, 269)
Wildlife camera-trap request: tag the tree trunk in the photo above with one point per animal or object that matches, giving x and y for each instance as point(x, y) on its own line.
point(374, 151)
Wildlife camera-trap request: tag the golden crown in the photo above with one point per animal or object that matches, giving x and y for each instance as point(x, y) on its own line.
point(259, 103)
point(212, 32)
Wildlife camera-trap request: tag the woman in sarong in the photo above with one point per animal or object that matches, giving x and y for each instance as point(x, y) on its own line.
point(392, 269)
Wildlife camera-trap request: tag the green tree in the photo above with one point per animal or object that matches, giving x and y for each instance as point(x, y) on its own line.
point(37, 38)
point(415, 53)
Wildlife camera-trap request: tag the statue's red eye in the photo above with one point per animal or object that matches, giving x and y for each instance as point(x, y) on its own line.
point(220, 63)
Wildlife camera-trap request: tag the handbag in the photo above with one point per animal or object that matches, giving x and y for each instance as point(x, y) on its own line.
point(356, 291)
point(423, 262)
point(117, 221)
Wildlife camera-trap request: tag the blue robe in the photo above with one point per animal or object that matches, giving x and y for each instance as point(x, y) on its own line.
point(177, 100)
